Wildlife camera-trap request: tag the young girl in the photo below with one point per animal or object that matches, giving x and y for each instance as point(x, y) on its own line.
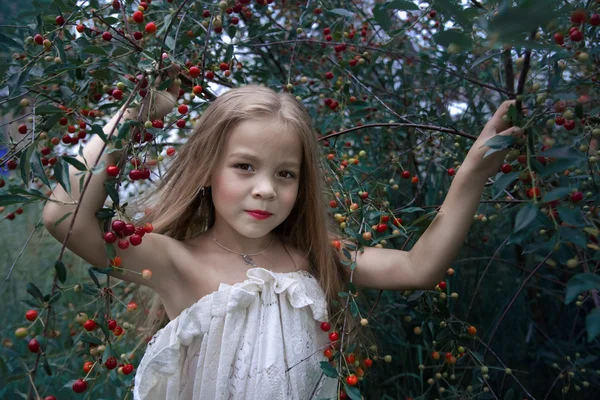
point(241, 253)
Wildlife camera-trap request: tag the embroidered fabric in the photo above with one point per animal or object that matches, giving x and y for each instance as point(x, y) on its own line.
point(257, 339)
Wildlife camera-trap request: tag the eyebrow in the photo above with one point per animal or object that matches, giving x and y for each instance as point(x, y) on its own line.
point(253, 157)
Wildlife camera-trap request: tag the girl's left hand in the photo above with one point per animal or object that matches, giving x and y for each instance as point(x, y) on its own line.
point(495, 126)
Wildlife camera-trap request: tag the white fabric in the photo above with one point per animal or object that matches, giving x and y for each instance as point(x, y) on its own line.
point(238, 343)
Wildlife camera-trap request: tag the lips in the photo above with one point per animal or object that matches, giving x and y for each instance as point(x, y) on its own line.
point(259, 212)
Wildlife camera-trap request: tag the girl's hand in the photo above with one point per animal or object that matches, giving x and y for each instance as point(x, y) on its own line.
point(495, 126)
point(165, 100)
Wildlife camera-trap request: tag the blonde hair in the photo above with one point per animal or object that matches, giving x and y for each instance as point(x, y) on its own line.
point(177, 208)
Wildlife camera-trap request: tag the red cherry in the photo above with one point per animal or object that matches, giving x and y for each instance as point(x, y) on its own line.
point(334, 336)
point(150, 27)
point(223, 66)
point(182, 109)
point(405, 174)
point(576, 36)
point(50, 398)
point(89, 325)
point(352, 380)
point(180, 123)
point(197, 89)
point(569, 124)
point(205, 13)
point(117, 94)
point(22, 129)
point(107, 36)
point(118, 225)
point(127, 369)
point(194, 72)
point(31, 315)
point(138, 17)
point(329, 75)
point(60, 20)
point(559, 38)
point(595, 20)
point(111, 363)
point(123, 244)
point(112, 324)
point(368, 362)
point(442, 285)
point(110, 237)
point(381, 228)
point(34, 345)
point(576, 196)
point(325, 326)
point(39, 39)
point(148, 228)
point(63, 121)
point(80, 28)
point(234, 20)
point(135, 240)
point(210, 75)
point(506, 168)
point(170, 151)
point(137, 35)
point(135, 174)
point(129, 229)
point(79, 386)
point(12, 164)
point(140, 231)
point(87, 366)
point(451, 171)
point(559, 120)
point(578, 16)
point(112, 170)
point(118, 331)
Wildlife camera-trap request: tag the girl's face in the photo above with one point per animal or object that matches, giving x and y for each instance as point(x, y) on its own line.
point(265, 178)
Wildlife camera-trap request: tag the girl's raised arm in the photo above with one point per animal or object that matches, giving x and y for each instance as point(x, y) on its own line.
point(86, 239)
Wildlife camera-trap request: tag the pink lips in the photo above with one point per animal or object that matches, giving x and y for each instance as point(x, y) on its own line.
point(258, 216)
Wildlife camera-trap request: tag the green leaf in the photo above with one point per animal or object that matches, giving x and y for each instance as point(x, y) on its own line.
point(25, 165)
point(94, 278)
point(382, 17)
point(592, 324)
point(579, 284)
point(90, 339)
point(61, 271)
point(513, 22)
point(526, 215)
point(110, 251)
point(47, 109)
point(61, 173)
point(343, 294)
point(328, 369)
point(401, 5)
point(165, 85)
point(556, 194)
point(34, 291)
point(97, 129)
point(124, 129)
point(564, 152)
point(571, 216)
point(170, 42)
point(38, 168)
point(453, 36)
point(16, 81)
point(109, 186)
point(75, 162)
point(99, 168)
point(353, 392)
point(47, 368)
point(342, 12)
point(61, 219)
point(8, 199)
point(94, 50)
point(500, 142)
point(502, 182)
point(9, 42)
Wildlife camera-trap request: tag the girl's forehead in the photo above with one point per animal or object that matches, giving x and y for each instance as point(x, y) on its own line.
point(264, 136)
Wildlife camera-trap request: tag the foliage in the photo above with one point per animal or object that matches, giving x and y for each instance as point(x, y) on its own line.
point(397, 90)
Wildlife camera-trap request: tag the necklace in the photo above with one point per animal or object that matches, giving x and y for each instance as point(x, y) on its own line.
point(245, 257)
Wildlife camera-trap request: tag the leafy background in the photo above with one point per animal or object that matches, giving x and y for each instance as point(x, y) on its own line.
point(412, 91)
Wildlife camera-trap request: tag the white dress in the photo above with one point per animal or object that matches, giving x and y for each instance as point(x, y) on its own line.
point(257, 339)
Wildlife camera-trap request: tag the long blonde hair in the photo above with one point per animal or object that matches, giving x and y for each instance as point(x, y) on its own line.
point(177, 209)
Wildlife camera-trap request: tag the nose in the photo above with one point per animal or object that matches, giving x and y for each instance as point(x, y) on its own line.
point(264, 188)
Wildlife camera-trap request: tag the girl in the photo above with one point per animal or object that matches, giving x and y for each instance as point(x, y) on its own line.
point(241, 252)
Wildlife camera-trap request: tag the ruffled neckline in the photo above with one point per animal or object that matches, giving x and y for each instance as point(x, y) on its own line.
point(252, 274)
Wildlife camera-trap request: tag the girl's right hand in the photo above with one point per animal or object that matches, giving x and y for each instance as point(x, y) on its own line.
point(165, 100)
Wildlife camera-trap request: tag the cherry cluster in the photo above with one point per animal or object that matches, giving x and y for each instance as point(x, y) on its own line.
point(122, 230)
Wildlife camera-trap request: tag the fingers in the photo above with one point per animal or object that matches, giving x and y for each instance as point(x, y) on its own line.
point(515, 131)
